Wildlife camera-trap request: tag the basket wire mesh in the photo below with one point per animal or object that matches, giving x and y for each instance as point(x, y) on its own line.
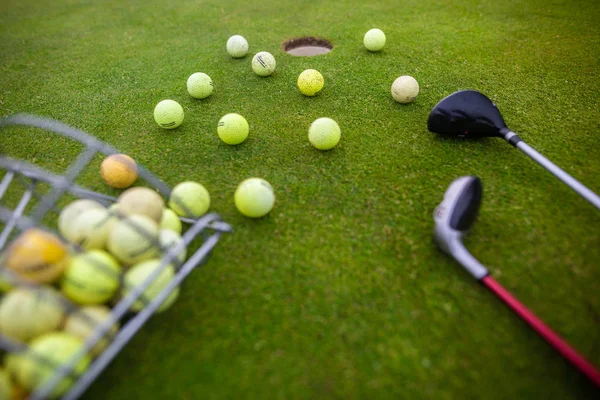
point(206, 229)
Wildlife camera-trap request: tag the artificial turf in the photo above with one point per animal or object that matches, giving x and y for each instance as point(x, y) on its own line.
point(339, 292)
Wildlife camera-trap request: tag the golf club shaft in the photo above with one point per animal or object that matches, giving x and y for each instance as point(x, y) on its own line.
point(544, 331)
point(560, 174)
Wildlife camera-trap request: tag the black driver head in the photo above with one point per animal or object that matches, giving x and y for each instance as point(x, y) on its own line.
point(467, 113)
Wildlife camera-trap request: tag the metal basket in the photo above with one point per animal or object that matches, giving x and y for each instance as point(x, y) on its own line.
point(14, 219)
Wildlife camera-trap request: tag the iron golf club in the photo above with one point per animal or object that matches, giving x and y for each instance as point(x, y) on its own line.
point(453, 218)
point(468, 113)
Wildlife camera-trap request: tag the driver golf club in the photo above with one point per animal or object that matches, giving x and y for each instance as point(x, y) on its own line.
point(468, 113)
point(453, 218)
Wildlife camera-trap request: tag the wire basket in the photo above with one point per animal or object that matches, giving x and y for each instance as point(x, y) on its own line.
point(31, 195)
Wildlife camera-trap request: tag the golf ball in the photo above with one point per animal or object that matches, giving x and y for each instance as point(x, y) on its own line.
point(199, 85)
point(233, 129)
point(263, 63)
point(324, 134)
point(254, 197)
point(374, 40)
point(119, 171)
point(405, 89)
point(310, 82)
point(237, 46)
point(168, 114)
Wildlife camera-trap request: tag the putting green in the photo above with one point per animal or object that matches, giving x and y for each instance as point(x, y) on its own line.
point(339, 292)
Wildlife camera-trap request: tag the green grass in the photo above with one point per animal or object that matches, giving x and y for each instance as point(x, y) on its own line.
point(339, 292)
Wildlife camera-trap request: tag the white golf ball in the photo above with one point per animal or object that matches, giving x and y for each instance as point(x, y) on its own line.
point(263, 63)
point(237, 46)
point(405, 89)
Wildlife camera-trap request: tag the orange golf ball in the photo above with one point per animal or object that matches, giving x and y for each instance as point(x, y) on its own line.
point(37, 256)
point(119, 171)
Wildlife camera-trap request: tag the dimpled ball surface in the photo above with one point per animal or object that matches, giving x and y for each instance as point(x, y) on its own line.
point(171, 221)
point(90, 229)
point(118, 171)
point(26, 313)
point(6, 281)
point(254, 197)
point(5, 385)
point(374, 40)
point(310, 82)
point(189, 199)
point(37, 256)
point(168, 114)
point(70, 213)
point(83, 322)
point(237, 46)
point(139, 273)
point(169, 239)
point(36, 365)
point(141, 200)
point(91, 277)
point(263, 63)
point(405, 89)
point(324, 133)
point(134, 239)
point(233, 129)
point(199, 85)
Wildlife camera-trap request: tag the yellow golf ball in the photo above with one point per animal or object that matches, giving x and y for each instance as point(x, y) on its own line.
point(168, 114)
point(199, 85)
point(324, 134)
point(189, 199)
point(254, 197)
point(233, 129)
point(310, 82)
point(374, 40)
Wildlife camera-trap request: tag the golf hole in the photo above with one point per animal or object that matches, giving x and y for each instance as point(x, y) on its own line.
point(307, 46)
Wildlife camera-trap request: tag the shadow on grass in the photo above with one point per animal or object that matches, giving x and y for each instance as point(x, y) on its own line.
point(482, 141)
point(380, 53)
point(192, 101)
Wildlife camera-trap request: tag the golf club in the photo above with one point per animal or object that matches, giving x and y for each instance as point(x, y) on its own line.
point(468, 113)
point(453, 218)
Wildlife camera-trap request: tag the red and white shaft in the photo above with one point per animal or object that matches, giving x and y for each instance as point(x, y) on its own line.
point(568, 352)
